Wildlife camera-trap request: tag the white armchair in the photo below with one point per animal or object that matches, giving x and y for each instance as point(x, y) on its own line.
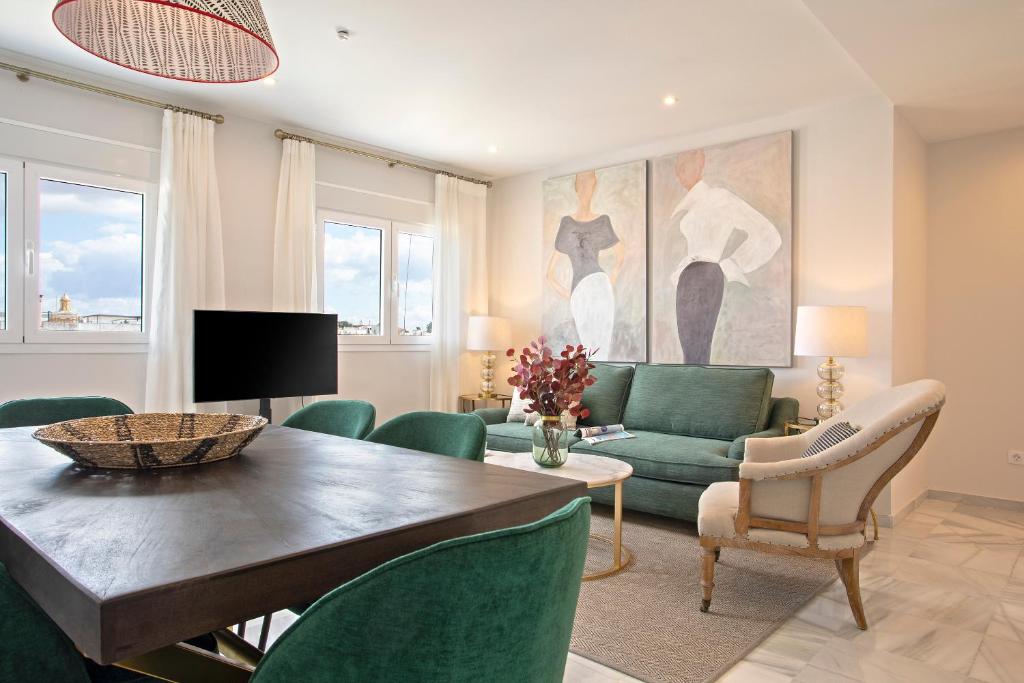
point(817, 506)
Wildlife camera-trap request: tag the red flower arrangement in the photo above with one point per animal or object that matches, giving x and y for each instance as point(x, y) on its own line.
point(552, 384)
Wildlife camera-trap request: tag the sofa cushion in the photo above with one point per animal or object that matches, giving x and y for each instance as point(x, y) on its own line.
point(669, 457)
point(513, 437)
point(693, 400)
point(606, 398)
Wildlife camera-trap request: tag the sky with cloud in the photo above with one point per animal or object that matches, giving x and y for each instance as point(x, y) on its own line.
point(90, 246)
point(352, 275)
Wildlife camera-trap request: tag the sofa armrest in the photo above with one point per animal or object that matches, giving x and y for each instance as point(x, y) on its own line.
point(783, 410)
point(492, 416)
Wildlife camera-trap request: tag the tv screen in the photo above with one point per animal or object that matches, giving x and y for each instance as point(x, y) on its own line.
point(241, 355)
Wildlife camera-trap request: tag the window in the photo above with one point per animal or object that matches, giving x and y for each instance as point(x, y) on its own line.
point(82, 257)
point(377, 275)
point(11, 246)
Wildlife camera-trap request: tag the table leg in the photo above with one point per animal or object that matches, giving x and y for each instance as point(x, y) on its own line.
point(621, 556)
point(186, 663)
point(874, 520)
point(617, 542)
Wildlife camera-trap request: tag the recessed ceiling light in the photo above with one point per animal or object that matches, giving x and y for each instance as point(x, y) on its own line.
point(492, 149)
point(269, 80)
point(342, 33)
point(669, 100)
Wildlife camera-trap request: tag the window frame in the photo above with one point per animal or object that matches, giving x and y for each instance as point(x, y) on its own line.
point(389, 275)
point(34, 172)
point(14, 249)
point(412, 229)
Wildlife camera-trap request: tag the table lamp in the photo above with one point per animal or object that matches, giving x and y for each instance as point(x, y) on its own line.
point(831, 331)
point(488, 334)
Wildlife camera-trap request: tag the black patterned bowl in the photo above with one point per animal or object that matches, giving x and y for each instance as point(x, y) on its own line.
point(151, 440)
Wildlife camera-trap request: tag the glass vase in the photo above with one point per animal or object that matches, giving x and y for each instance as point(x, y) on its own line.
point(550, 441)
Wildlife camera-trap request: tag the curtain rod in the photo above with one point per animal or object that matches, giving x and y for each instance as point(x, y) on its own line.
point(285, 135)
point(24, 75)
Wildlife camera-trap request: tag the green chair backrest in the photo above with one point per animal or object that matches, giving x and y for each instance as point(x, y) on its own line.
point(32, 647)
point(352, 419)
point(498, 606)
point(458, 435)
point(30, 412)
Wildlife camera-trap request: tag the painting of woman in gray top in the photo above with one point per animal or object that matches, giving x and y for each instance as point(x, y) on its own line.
point(581, 238)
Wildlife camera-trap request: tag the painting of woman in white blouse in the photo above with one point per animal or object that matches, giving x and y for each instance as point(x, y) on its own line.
point(729, 284)
point(588, 256)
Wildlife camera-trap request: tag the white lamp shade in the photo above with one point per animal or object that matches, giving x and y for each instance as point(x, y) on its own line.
point(487, 333)
point(831, 331)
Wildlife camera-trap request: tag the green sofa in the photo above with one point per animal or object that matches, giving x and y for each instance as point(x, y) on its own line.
point(691, 424)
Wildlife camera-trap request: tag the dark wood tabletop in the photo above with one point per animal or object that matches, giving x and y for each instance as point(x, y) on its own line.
point(126, 562)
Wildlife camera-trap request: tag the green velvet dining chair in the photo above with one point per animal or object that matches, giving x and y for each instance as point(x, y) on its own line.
point(351, 419)
point(461, 435)
point(498, 606)
point(31, 412)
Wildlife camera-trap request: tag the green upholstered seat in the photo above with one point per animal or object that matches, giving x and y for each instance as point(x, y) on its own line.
point(33, 648)
point(30, 412)
point(352, 419)
point(497, 606)
point(606, 398)
point(693, 400)
point(514, 437)
point(458, 435)
point(668, 457)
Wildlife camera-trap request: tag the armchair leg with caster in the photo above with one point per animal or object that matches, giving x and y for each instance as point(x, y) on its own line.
point(707, 577)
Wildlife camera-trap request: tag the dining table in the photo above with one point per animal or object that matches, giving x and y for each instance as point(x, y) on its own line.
point(130, 563)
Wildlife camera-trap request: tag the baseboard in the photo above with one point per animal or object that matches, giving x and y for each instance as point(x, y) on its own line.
point(971, 499)
point(897, 517)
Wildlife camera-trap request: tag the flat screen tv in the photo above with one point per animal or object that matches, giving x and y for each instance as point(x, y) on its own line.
point(242, 355)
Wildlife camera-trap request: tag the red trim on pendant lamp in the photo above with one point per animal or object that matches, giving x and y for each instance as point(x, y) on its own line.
point(200, 41)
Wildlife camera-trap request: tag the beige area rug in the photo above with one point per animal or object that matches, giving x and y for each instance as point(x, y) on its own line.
point(646, 621)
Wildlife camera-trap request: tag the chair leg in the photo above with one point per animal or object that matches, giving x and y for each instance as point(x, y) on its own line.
point(849, 572)
point(707, 577)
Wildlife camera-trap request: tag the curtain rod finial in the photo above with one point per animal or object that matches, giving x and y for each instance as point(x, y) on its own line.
point(217, 118)
point(280, 134)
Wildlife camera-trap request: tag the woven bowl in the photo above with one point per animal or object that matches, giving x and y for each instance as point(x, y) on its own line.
point(151, 440)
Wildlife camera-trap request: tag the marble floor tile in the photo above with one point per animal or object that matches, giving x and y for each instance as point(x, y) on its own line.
point(812, 674)
point(751, 672)
point(860, 663)
point(951, 608)
point(915, 570)
point(582, 670)
point(791, 647)
point(830, 615)
point(929, 642)
point(999, 661)
point(996, 559)
point(1008, 622)
point(1014, 590)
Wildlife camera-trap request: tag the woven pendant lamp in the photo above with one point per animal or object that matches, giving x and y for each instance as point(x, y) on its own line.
point(204, 41)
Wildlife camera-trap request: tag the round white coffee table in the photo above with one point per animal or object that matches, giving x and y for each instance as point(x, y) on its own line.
point(596, 471)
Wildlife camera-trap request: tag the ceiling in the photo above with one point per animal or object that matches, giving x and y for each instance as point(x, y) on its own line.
point(953, 67)
point(546, 82)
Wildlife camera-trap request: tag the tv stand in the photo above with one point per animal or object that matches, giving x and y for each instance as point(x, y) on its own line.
point(265, 408)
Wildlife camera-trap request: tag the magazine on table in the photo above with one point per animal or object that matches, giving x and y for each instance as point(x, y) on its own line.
point(593, 435)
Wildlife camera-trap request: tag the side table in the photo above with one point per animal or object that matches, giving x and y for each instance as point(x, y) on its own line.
point(468, 402)
point(596, 471)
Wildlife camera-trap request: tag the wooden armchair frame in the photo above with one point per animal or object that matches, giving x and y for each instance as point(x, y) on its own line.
point(847, 560)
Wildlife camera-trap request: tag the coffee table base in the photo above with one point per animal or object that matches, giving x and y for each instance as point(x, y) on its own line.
point(620, 563)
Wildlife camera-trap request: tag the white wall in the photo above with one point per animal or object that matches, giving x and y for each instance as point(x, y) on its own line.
point(910, 266)
point(842, 229)
point(248, 159)
point(976, 311)
point(843, 232)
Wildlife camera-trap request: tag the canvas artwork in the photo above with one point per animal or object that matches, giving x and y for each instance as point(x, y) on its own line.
point(595, 256)
point(721, 266)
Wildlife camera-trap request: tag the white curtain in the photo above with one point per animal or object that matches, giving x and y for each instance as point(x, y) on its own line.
point(295, 258)
point(295, 255)
point(460, 210)
point(188, 271)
